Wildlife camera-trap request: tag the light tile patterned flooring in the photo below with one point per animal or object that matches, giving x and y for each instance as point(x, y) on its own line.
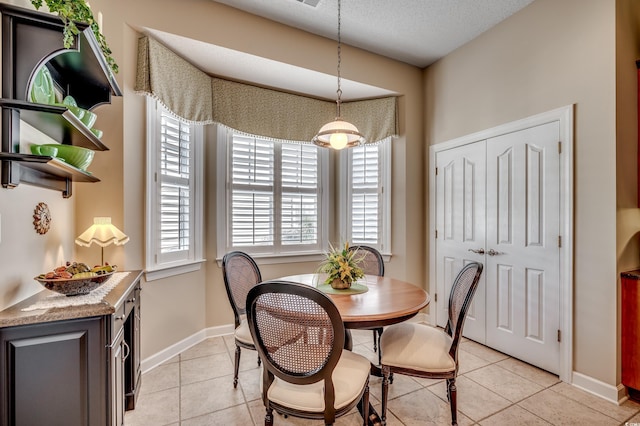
point(195, 388)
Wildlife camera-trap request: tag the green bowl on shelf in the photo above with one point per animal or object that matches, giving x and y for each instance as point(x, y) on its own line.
point(78, 112)
point(77, 156)
point(89, 118)
point(97, 133)
point(48, 150)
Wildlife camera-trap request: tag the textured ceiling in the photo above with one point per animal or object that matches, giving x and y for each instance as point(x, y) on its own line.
point(417, 32)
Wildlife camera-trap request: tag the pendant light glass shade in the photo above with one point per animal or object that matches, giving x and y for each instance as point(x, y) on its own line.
point(338, 134)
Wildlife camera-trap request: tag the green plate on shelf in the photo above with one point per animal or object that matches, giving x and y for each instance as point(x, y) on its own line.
point(42, 89)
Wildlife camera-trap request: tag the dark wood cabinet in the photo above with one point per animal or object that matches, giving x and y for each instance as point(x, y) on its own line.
point(30, 40)
point(74, 371)
point(630, 339)
point(52, 374)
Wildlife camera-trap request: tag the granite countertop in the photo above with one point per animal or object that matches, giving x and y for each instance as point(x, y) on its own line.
point(23, 313)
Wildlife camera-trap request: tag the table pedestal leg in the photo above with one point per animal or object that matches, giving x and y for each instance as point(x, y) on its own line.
point(348, 339)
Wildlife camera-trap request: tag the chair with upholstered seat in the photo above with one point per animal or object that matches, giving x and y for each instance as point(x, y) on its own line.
point(371, 264)
point(423, 351)
point(240, 274)
point(307, 373)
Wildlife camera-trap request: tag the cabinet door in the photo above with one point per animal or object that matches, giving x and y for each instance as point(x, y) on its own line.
point(118, 355)
point(133, 374)
point(630, 339)
point(53, 374)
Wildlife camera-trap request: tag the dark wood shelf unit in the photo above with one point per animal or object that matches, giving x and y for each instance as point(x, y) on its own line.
point(32, 38)
point(29, 40)
point(57, 122)
point(43, 171)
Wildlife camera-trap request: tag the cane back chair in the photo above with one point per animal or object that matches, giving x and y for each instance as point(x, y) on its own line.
point(424, 351)
point(307, 373)
point(371, 264)
point(240, 273)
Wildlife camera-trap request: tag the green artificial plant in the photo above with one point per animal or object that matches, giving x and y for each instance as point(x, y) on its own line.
point(341, 264)
point(71, 11)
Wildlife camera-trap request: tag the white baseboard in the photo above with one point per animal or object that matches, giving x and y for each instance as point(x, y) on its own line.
point(166, 354)
point(615, 394)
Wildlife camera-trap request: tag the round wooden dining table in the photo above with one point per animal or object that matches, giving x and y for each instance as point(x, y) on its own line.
point(387, 301)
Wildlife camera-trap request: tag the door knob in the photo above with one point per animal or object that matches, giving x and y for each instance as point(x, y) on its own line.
point(478, 251)
point(492, 252)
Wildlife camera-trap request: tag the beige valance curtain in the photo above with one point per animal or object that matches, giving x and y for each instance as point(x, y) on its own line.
point(197, 97)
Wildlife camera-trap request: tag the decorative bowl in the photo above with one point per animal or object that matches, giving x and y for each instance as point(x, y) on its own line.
point(77, 111)
point(49, 151)
point(77, 156)
point(97, 132)
point(74, 286)
point(88, 118)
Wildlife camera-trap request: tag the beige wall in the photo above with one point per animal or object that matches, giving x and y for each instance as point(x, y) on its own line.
point(177, 308)
point(550, 54)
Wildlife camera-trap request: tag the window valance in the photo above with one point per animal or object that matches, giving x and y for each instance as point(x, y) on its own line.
point(200, 98)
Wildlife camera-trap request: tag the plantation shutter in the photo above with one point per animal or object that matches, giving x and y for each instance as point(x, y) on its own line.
point(299, 213)
point(365, 195)
point(274, 195)
point(175, 187)
point(252, 197)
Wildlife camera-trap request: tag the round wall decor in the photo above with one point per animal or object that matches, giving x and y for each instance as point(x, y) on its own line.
point(42, 218)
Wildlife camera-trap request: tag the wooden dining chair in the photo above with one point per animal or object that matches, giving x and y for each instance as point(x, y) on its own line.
point(240, 273)
point(307, 373)
point(372, 264)
point(423, 351)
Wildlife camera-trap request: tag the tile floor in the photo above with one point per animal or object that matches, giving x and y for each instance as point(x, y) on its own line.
point(195, 388)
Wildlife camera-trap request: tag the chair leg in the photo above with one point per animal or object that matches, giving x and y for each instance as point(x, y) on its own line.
point(268, 417)
point(375, 341)
point(236, 367)
point(365, 406)
point(378, 333)
point(385, 392)
point(452, 394)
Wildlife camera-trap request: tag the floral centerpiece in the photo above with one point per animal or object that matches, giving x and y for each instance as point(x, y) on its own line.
point(341, 267)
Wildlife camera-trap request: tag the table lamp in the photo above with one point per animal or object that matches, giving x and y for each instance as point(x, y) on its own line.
point(103, 233)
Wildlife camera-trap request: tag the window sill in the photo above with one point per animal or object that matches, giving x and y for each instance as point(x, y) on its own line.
point(167, 271)
point(273, 259)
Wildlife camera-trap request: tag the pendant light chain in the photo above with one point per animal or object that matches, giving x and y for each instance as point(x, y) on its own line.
point(339, 133)
point(339, 91)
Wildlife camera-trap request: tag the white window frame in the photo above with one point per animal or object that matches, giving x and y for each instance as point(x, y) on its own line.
point(277, 253)
point(161, 266)
point(384, 191)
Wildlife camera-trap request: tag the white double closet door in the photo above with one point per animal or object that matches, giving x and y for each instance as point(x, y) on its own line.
point(497, 202)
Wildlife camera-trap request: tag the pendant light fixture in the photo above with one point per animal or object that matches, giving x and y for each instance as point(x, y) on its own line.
point(339, 133)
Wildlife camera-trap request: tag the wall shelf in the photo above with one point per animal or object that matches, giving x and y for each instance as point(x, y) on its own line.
point(57, 122)
point(30, 40)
